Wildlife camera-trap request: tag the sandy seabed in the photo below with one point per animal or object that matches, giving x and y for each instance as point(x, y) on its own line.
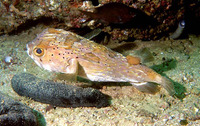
point(177, 59)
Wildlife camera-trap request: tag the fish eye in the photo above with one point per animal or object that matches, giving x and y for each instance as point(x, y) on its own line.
point(38, 51)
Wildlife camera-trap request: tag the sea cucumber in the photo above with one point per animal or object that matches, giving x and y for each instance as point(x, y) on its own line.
point(14, 113)
point(179, 30)
point(57, 94)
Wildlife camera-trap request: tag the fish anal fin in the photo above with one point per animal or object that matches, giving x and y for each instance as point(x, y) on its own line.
point(147, 87)
point(65, 77)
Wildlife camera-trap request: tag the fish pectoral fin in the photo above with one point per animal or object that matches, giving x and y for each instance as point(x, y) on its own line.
point(71, 70)
point(72, 67)
point(146, 87)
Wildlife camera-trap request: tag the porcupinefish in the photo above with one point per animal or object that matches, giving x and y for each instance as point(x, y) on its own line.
point(66, 52)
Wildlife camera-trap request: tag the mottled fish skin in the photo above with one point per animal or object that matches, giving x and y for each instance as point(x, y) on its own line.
point(63, 51)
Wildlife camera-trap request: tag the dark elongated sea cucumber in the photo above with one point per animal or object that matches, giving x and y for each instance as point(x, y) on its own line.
point(57, 94)
point(14, 113)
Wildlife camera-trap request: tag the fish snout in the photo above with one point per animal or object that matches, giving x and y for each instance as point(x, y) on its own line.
point(29, 48)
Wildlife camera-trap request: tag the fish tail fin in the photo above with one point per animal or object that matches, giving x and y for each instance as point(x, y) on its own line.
point(152, 88)
point(147, 87)
point(168, 85)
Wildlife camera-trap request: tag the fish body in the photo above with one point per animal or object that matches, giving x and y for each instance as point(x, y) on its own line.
point(118, 13)
point(66, 52)
point(113, 13)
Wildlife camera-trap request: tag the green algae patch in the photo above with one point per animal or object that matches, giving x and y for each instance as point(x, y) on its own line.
point(168, 65)
point(165, 66)
point(40, 118)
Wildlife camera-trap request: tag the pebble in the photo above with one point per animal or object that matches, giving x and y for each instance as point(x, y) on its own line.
point(183, 122)
point(8, 59)
point(195, 91)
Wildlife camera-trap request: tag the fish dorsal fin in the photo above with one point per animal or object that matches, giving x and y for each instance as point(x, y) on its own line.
point(133, 60)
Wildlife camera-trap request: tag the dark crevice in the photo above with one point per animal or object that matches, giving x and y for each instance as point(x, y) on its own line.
point(47, 21)
point(95, 2)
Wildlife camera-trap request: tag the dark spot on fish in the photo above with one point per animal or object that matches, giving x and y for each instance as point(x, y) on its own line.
point(51, 54)
point(53, 48)
point(40, 60)
point(63, 57)
point(58, 53)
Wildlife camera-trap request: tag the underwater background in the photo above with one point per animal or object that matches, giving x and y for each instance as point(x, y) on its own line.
point(163, 34)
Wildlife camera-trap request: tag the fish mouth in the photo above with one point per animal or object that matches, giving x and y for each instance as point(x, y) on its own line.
point(29, 47)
